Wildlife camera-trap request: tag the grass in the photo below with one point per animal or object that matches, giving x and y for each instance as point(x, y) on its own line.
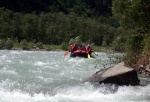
point(29, 46)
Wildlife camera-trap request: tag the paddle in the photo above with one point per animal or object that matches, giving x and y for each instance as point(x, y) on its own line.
point(69, 54)
point(88, 56)
point(66, 52)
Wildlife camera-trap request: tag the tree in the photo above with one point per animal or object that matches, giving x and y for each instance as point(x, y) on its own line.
point(133, 14)
point(17, 23)
point(29, 27)
point(6, 26)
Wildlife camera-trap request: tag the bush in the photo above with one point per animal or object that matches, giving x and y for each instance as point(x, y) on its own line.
point(135, 43)
point(134, 48)
point(76, 40)
point(64, 46)
point(39, 45)
point(9, 44)
point(119, 43)
point(71, 41)
point(24, 45)
point(147, 42)
point(2, 44)
point(31, 44)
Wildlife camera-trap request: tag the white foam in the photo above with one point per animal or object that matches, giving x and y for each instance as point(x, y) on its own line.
point(77, 94)
point(7, 70)
point(39, 63)
point(21, 61)
point(58, 78)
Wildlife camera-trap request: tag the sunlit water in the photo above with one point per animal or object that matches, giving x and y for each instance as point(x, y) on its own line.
point(36, 76)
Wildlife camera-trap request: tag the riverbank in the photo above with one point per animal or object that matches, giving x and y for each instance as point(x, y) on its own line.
point(30, 46)
point(35, 48)
point(142, 63)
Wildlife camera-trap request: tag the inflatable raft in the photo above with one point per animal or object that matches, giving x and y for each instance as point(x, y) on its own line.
point(79, 53)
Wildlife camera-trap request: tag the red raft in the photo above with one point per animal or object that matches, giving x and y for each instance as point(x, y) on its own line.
point(79, 53)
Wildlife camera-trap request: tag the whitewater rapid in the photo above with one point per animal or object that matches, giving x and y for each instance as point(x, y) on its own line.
point(41, 76)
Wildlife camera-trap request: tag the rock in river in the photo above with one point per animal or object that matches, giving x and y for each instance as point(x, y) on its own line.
point(119, 74)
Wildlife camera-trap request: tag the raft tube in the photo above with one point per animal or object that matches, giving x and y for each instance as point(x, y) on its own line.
point(79, 53)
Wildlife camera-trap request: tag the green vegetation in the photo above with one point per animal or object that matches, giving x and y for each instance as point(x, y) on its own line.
point(54, 28)
point(35, 46)
point(8, 44)
point(55, 22)
point(92, 8)
point(133, 15)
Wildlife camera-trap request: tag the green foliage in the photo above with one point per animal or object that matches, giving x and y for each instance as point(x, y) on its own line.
point(135, 43)
point(2, 44)
point(135, 47)
point(147, 42)
point(8, 44)
point(31, 44)
point(53, 47)
point(134, 16)
point(54, 28)
point(39, 45)
point(81, 7)
point(64, 46)
point(29, 27)
point(134, 11)
point(119, 44)
point(24, 45)
point(76, 40)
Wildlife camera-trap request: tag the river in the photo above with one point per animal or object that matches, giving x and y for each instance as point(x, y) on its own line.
point(48, 76)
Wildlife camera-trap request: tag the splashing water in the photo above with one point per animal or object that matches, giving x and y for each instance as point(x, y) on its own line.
point(36, 76)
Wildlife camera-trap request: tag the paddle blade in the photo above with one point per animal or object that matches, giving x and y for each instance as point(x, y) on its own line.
point(88, 56)
point(69, 54)
point(65, 53)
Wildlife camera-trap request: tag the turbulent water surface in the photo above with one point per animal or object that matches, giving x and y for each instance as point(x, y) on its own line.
point(34, 76)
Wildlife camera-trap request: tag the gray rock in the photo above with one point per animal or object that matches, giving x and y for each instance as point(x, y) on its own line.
point(119, 74)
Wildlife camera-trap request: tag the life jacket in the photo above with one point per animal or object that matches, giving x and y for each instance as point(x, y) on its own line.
point(73, 48)
point(85, 47)
point(89, 50)
point(80, 47)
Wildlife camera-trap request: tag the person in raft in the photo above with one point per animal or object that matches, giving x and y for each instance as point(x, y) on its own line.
point(88, 49)
point(80, 47)
point(73, 48)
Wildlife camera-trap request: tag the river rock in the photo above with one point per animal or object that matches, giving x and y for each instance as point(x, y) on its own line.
point(119, 74)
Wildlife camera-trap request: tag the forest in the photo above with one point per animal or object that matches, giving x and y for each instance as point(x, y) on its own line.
point(57, 21)
point(122, 25)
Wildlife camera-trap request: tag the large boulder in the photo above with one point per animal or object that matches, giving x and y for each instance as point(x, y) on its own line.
point(119, 74)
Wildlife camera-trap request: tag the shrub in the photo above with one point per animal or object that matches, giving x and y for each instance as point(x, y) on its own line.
point(134, 48)
point(2, 44)
point(64, 46)
point(31, 44)
point(71, 41)
point(147, 42)
point(24, 45)
point(39, 45)
point(76, 40)
point(9, 44)
point(135, 43)
point(119, 43)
